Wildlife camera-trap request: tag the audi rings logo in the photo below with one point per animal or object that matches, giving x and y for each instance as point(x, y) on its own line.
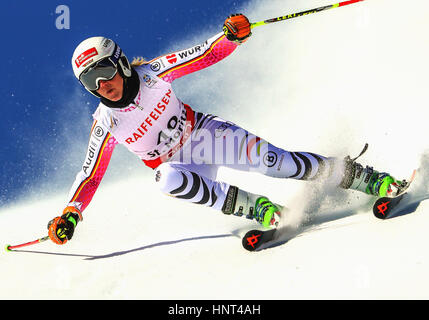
point(98, 131)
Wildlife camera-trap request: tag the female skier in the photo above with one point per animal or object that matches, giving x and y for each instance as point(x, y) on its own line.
point(139, 110)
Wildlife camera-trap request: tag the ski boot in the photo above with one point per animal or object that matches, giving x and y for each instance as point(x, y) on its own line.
point(267, 213)
point(370, 181)
point(239, 202)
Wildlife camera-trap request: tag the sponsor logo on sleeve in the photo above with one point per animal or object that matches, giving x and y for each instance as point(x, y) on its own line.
point(98, 131)
point(197, 50)
point(155, 66)
point(149, 82)
point(172, 58)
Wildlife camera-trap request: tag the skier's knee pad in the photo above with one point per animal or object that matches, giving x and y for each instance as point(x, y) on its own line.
point(168, 177)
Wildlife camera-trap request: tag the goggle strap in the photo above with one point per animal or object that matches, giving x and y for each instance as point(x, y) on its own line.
point(117, 52)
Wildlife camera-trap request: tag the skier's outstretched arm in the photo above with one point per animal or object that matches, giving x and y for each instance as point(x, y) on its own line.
point(100, 149)
point(172, 66)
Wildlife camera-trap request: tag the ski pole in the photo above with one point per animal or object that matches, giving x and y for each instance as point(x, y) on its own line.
point(303, 13)
point(11, 248)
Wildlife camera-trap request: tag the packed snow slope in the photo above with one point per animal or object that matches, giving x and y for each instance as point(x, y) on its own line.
point(325, 83)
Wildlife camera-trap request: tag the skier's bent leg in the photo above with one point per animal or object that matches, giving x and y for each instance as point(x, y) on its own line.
point(178, 181)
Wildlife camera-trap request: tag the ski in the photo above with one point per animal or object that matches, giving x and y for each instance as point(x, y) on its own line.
point(384, 207)
point(254, 239)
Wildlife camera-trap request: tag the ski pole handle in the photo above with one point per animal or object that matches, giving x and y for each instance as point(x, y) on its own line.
point(11, 248)
point(303, 13)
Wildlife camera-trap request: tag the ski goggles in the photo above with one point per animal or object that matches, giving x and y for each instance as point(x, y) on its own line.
point(104, 69)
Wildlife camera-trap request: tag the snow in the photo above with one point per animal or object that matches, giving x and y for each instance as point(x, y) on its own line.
point(326, 83)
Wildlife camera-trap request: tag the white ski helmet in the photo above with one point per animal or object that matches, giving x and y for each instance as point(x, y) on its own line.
point(96, 59)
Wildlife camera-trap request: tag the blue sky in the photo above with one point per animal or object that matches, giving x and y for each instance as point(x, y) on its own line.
point(38, 80)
